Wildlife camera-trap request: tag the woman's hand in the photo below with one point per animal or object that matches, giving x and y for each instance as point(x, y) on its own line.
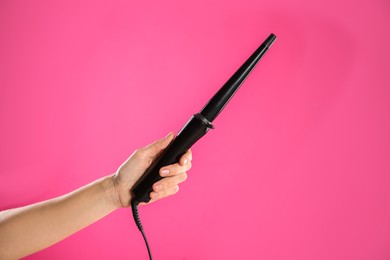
point(131, 170)
point(28, 229)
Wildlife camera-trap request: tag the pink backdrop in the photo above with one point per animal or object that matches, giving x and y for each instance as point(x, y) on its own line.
point(297, 167)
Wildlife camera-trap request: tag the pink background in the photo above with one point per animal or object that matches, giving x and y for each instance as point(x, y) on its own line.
point(297, 167)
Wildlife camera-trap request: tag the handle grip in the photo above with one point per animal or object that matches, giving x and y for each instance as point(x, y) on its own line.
point(195, 128)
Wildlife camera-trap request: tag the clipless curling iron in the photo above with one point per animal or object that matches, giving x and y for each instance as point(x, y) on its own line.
point(195, 128)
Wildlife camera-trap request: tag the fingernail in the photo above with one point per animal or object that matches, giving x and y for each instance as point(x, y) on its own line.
point(170, 133)
point(185, 161)
point(158, 187)
point(154, 195)
point(164, 172)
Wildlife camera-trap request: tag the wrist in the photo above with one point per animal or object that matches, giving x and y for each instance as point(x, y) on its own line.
point(111, 192)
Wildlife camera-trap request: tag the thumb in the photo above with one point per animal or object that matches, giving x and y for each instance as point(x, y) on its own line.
point(159, 145)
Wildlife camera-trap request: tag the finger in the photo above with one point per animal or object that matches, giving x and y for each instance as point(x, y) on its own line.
point(168, 192)
point(159, 145)
point(166, 187)
point(168, 182)
point(187, 157)
point(164, 193)
point(175, 169)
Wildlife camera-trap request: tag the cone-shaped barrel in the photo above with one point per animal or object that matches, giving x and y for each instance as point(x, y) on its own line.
point(225, 93)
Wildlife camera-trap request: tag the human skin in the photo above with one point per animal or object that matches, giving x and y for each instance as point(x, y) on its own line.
point(28, 229)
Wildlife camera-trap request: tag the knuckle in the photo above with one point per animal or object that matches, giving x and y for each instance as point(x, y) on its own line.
point(139, 153)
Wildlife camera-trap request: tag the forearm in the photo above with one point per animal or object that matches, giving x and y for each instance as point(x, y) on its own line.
point(26, 230)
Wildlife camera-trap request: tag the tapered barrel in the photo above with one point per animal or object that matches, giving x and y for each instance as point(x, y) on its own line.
point(225, 93)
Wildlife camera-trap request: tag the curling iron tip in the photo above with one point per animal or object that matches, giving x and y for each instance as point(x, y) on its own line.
point(271, 38)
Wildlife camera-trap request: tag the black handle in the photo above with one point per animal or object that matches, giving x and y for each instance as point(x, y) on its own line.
point(195, 128)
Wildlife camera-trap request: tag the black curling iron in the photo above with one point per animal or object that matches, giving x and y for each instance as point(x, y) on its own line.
point(195, 128)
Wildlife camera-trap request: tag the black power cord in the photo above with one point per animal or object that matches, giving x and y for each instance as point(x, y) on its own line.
point(134, 208)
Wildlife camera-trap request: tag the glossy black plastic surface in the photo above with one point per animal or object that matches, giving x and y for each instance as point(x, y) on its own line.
point(224, 94)
point(197, 126)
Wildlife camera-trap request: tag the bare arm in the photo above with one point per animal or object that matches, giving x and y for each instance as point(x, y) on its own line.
point(29, 229)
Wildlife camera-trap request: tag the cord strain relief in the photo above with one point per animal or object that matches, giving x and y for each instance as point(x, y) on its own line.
point(134, 209)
